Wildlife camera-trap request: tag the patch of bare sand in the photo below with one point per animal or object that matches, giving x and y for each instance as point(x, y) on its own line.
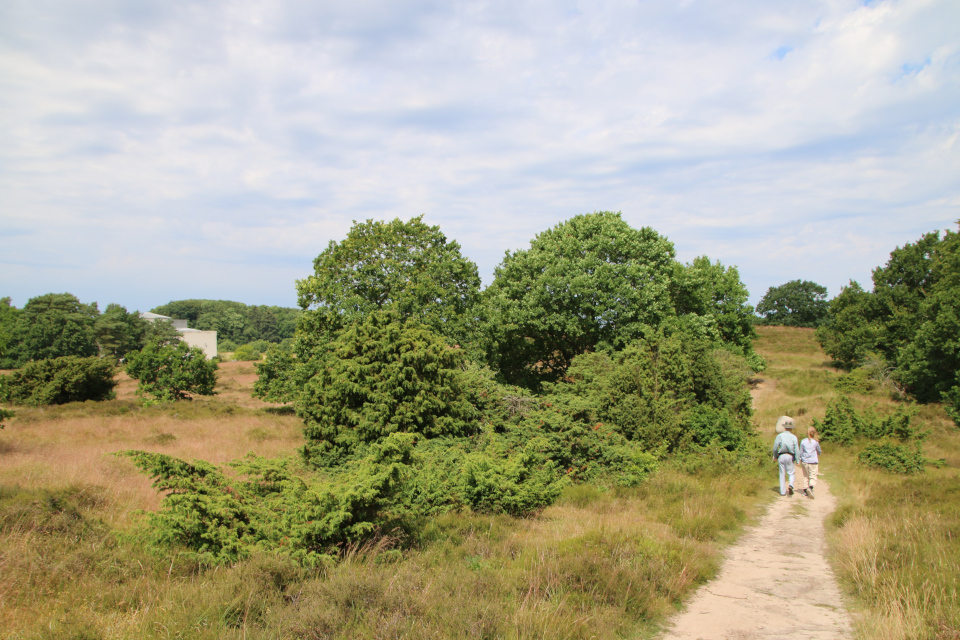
point(775, 582)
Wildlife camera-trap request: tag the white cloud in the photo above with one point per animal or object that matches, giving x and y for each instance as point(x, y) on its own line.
point(235, 139)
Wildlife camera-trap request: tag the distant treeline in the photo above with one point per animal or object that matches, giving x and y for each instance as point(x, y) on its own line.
point(234, 321)
point(56, 325)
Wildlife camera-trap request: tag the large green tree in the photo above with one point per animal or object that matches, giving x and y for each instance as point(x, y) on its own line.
point(592, 282)
point(118, 332)
point(911, 319)
point(54, 325)
point(798, 303)
point(407, 266)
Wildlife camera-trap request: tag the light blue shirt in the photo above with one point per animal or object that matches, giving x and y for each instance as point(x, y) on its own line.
point(786, 442)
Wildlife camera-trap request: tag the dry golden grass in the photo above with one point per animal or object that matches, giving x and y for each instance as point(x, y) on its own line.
point(72, 445)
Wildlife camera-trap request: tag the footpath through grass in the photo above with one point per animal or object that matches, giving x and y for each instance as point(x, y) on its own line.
point(895, 538)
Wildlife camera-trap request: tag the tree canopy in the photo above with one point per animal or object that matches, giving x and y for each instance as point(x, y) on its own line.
point(54, 325)
point(382, 375)
point(798, 303)
point(592, 282)
point(911, 319)
point(408, 266)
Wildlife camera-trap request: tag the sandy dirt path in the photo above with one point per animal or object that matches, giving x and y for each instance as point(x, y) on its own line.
point(775, 582)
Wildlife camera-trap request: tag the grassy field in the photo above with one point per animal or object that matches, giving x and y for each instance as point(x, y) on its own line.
point(598, 564)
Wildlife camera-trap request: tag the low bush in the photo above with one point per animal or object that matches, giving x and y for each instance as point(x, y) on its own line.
point(898, 458)
point(842, 424)
point(247, 353)
point(59, 381)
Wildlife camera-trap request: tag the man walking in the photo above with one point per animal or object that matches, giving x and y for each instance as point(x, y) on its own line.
point(786, 449)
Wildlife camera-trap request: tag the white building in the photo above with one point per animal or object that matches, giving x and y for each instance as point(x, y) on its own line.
point(206, 340)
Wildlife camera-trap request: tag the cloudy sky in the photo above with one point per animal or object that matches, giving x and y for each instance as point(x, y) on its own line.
point(154, 150)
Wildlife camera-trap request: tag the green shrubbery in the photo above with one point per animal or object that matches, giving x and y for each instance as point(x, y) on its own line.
point(399, 424)
point(58, 381)
point(172, 371)
point(897, 458)
point(900, 449)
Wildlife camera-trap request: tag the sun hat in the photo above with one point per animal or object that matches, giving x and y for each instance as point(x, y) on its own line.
point(785, 422)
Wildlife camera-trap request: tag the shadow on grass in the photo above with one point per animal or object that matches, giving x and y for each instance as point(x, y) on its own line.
point(285, 410)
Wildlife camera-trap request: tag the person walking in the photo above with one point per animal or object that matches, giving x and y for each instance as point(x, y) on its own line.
point(810, 461)
point(786, 450)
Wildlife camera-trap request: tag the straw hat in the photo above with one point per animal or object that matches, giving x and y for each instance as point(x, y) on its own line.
point(785, 422)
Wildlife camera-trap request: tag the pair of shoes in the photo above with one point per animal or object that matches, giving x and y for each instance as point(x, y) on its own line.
point(790, 491)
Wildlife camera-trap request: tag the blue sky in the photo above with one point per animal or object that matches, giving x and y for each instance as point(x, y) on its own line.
point(157, 150)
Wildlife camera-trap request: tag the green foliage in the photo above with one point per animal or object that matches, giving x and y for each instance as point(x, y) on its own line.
point(897, 458)
point(383, 375)
point(798, 303)
point(486, 475)
point(666, 391)
point(912, 318)
point(715, 294)
point(53, 326)
point(271, 507)
point(407, 266)
point(4, 415)
point(857, 381)
point(234, 321)
point(58, 381)
point(279, 378)
point(592, 282)
point(118, 332)
point(247, 352)
point(226, 346)
point(850, 333)
point(843, 424)
point(172, 371)
point(8, 319)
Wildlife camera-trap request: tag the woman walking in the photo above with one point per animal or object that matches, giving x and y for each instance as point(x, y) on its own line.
point(786, 450)
point(810, 461)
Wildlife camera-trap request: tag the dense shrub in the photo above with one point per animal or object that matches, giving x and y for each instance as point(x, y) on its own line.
point(898, 458)
point(842, 424)
point(665, 391)
point(4, 414)
point(221, 519)
point(58, 381)
point(383, 375)
point(172, 371)
point(247, 353)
